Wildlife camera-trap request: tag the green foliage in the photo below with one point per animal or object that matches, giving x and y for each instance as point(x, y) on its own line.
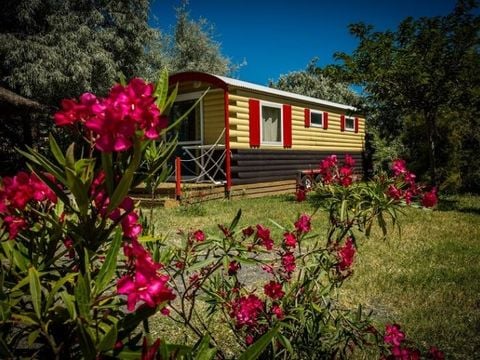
point(317, 83)
point(192, 47)
point(422, 88)
point(83, 46)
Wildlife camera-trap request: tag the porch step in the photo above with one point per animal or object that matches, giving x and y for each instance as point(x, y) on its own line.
point(157, 202)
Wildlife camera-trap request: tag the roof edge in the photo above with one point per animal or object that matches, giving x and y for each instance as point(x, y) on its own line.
point(224, 82)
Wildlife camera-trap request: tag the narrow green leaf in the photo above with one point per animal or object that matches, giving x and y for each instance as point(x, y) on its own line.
point(24, 319)
point(107, 166)
point(35, 291)
point(60, 194)
point(60, 282)
point(79, 191)
point(256, 349)
point(235, 220)
point(161, 90)
point(122, 79)
point(86, 343)
point(32, 337)
point(171, 99)
point(124, 185)
point(285, 343)
point(204, 351)
point(56, 151)
point(129, 322)
point(42, 161)
point(82, 297)
point(67, 300)
point(108, 268)
point(108, 341)
point(201, 264)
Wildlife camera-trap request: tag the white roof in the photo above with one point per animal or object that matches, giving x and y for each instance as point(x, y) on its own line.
point(269, 90)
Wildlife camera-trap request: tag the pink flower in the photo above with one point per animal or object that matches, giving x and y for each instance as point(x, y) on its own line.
point(409, 177)
point(393, 335)
point(300, 195)
point(277, 311)
point(399, 167)
point(233, 267)
point(263, 234)
point(349, 161)
point(199, 236)
point(130, 226)
point(152, 290)
point(430, 198)
point(149, 352)
point(247, 232)
point(249, 339)
point(288, 263)
point(274, 290)
point(394, 192)
point(246, 310)
point(402, 353)
point(435, 354)
point(303, 224)
point(346, 176)
point(14, 225)
point(346, 255)
point(289, 240)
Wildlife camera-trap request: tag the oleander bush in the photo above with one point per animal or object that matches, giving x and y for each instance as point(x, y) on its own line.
point(79, 279)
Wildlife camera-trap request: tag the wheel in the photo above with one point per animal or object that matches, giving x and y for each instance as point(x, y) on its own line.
point(307, 182)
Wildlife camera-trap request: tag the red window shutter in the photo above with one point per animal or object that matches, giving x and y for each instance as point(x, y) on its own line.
point(287, 126)
point(356, 125)
point(342, 123)
point(307, 117)
point(254, 122)
point(325, 120)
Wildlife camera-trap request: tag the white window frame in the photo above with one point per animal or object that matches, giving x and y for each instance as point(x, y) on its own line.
point(349, 128)
point(312, 124)
point(273, 105)
point(193, 96)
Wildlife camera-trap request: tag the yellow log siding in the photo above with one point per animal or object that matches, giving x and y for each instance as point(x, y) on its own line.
point(213, 117)
point(312, 138)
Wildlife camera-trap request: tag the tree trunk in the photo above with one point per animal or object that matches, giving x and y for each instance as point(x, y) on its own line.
point(431, 122)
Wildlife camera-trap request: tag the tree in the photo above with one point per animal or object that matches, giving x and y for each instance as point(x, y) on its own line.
point(316, 82)
point(193, 48)
point(419, 75)
point(53, 49)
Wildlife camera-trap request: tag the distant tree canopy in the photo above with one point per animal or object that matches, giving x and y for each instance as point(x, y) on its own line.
point(192, 47)
point(422, 85)
point(315, 82)
point(50, 49)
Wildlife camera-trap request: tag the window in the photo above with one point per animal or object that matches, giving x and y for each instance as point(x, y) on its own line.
point(316, 118)
point(271, 124)
point(349, 123)
point(190, 130)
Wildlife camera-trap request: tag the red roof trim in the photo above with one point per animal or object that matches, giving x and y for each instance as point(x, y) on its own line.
point(197, 76)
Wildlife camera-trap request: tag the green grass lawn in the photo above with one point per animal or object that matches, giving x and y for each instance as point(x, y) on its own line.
point(427, 280)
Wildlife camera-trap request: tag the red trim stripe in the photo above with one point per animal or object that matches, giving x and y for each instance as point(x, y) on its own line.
point(356, 125)
point(307, 117)
point(228, 171)
point(254, 122)
point(325, 120)
point(342, 123)
point(287, 126)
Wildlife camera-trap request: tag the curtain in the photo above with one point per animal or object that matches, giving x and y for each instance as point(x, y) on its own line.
point(271, 124)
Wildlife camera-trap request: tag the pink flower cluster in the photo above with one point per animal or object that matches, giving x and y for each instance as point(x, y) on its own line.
point(405, 187)
point(346, 255)
point(144, 282)
point(114, 120)
point(395, 338)
point(332, 174)
point(16, 192)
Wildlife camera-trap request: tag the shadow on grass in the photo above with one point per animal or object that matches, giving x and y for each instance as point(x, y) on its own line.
point(454, 204)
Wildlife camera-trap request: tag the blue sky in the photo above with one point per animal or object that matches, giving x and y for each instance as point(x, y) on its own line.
point(276, 37)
